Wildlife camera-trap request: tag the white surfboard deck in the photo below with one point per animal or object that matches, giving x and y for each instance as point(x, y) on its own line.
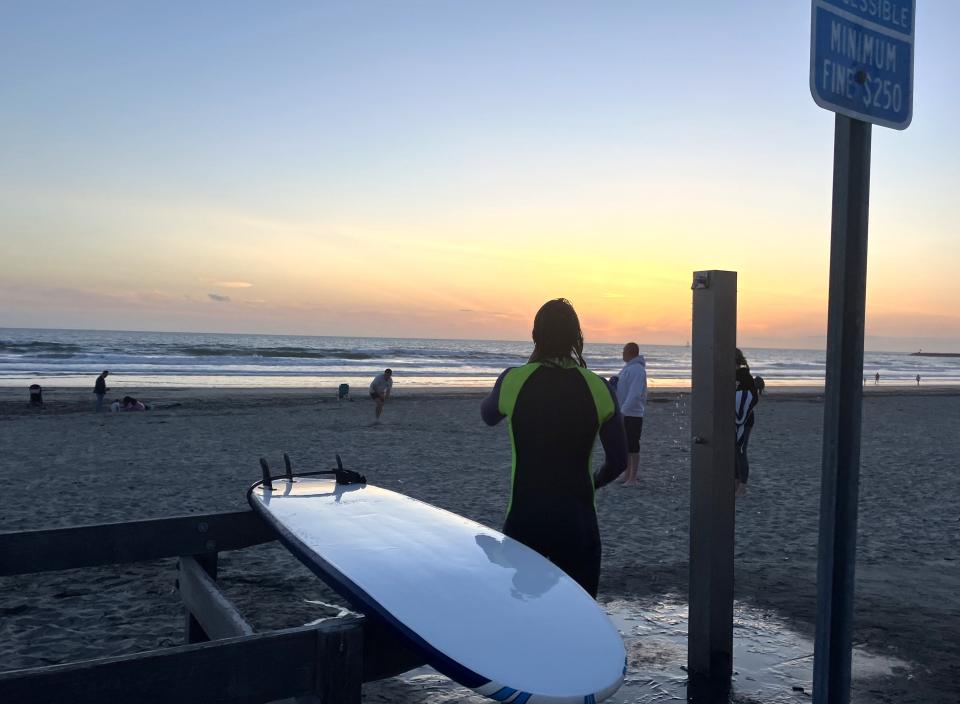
point(483, 609)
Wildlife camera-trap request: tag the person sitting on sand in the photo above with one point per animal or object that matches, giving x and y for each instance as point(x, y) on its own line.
point(556, 408)
point(132, 404)
point(380, 389)
point(746, 398)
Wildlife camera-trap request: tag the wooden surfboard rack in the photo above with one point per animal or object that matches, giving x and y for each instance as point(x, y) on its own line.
point(223, 659)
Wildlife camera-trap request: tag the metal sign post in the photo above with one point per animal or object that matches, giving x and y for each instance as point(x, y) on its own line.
point(840, 484)
point(861, 67)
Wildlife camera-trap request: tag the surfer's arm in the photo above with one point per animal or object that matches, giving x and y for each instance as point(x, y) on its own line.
point(614, 441)
point(490, 407)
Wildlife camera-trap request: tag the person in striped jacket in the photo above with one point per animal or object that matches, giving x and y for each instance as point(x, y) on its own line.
point(746, 398)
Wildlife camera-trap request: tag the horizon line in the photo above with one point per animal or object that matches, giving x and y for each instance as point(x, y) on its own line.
point(821, 339)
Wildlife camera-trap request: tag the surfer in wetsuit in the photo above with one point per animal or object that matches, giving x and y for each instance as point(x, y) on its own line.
point(555, 408)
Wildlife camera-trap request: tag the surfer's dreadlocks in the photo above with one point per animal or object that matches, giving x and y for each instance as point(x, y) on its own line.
point(556, 333)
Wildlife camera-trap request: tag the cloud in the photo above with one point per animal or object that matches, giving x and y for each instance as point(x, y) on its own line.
point(484, 313)
point(218, 298)
point(233, 284)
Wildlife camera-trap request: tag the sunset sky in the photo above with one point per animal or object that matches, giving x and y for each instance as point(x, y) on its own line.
point(440, 169)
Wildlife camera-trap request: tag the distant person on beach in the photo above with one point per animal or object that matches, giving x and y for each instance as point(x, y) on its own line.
point(132, 404)
point(876, 378)
point(760, 384)
point(36, 396)
point(380, 389)
point(100, 388)
point(632, 396)
point(747, 396)
point(129, 403)
point(918, 381)
point(556, 408)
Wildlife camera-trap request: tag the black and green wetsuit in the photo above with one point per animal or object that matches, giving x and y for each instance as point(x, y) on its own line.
point(556, 411)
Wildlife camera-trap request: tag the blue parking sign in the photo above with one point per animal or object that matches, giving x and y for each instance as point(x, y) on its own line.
point(861, 59)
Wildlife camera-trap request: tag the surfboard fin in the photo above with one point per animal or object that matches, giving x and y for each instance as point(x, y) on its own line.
point(267, 484)
point(343, 476)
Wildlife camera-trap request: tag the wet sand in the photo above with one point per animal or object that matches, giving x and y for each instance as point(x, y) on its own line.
point(197, 451)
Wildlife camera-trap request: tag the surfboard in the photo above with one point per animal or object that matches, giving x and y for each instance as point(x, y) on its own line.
point(482, 608)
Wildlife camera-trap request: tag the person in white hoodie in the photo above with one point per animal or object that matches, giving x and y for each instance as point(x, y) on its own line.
point(632, 396)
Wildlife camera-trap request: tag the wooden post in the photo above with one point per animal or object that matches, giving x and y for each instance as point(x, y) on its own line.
point(713, 389)
point(339, 665)
point(194, 632)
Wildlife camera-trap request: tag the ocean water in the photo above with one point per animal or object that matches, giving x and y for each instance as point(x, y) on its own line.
point(73, 358)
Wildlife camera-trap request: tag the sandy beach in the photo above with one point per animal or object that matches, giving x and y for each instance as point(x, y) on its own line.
point(197, 451)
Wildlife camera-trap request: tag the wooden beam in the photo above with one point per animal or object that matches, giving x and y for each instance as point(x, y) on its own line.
point(316, 663)
point(247, 670)
point(25, 552)
point(385, 652)
point(210, 607)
